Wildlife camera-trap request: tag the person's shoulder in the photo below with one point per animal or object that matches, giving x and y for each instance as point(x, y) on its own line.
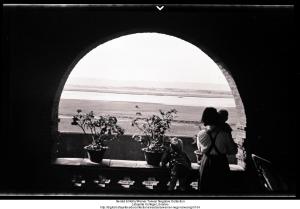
point(227, 127)
point(202, 135)
point(202, 132)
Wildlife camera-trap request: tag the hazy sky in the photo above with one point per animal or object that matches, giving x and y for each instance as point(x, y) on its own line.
point(148, 57)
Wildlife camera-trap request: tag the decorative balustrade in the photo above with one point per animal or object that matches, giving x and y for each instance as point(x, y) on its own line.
point(80, 174)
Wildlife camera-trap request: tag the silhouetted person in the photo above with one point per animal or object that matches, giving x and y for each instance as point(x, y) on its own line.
point(179, 164)
point(223, 117)
point(215, 144)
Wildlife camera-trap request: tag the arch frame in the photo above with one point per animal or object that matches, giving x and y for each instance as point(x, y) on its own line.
point(241, 123)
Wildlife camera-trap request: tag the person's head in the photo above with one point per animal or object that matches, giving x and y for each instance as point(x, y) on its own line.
point(176, 144)
point(210, 116)
point(223, 115)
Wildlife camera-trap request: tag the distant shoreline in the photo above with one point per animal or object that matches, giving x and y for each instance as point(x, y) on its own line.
point(205, 94)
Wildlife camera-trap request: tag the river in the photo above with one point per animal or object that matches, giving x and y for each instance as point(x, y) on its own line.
point(167, 100)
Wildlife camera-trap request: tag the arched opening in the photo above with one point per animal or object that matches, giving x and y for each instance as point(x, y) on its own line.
point(44, 44)
point(114, 79)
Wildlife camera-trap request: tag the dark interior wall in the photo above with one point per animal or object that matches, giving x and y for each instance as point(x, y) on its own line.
point(42, 44)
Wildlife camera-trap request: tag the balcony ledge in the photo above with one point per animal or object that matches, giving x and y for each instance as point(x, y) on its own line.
point(111, 163)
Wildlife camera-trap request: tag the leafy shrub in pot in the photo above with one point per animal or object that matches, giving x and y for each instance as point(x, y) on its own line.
point(153, 133)
point(100, 129)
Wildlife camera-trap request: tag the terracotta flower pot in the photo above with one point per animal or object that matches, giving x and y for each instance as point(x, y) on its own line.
point(95, 156)
point(151, 157)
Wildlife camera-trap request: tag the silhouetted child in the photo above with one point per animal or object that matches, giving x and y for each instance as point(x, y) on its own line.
point(223, 117)
point(179, 164)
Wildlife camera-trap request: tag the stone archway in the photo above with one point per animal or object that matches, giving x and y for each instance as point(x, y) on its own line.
point(241, 123)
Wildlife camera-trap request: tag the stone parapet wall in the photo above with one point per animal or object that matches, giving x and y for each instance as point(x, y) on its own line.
point(125, 148)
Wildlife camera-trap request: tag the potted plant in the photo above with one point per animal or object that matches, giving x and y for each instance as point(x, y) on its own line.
point(153, 130)
point(100, 129)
